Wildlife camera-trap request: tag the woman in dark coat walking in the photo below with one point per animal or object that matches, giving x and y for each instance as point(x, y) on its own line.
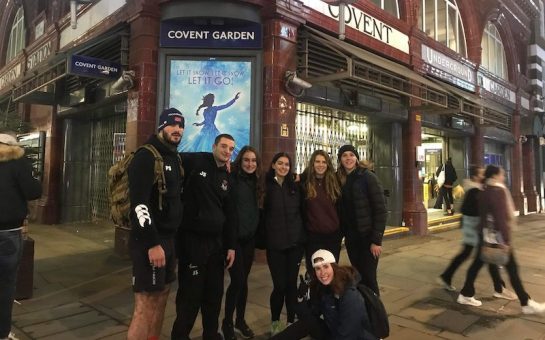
point(445, 191)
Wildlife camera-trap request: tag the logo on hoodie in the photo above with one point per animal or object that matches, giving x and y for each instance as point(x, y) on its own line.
point(224, 185)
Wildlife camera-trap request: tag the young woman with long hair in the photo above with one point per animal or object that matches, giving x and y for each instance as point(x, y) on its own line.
point(321, 191)
point(284, 236)
point(247, 188)
point(337, 309)
point(362, 212)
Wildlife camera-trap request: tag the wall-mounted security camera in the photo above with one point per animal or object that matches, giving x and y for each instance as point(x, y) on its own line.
point(295, 85)
point(124, 83)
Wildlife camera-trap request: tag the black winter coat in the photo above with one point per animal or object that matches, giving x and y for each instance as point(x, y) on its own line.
point(149, 223)
point(209, 209)
point(17, 186)
point(363, 207)
point(282, 214)
point(245, 197)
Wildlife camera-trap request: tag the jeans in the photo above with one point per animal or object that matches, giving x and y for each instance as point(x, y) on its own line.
point(11, 249)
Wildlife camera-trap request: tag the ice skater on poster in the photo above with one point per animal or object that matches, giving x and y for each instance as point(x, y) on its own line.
point(196, 85)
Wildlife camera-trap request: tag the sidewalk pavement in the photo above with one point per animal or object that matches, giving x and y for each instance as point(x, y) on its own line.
point(82, 289)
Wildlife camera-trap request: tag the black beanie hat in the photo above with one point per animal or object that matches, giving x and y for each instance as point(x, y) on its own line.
point(170, 117)
point(348, 147)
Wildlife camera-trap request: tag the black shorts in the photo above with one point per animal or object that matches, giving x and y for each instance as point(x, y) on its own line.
point(147, 278)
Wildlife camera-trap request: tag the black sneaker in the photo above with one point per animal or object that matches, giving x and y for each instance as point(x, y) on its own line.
point(244, 330)
point(228, 330)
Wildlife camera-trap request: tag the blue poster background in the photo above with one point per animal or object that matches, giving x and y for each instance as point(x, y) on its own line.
point(214, 97)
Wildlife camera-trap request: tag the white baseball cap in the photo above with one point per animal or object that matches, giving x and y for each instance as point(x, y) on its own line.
point(8, 139)
point(322, 256)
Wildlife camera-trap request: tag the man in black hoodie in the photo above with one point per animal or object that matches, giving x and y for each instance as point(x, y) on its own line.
point(206, 240)
point(151, 244)
point(17, 186)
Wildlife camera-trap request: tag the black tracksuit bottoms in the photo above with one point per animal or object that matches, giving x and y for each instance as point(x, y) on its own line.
point(237, 292)
point(359, 253)
point(284, 267)
point(200, 286)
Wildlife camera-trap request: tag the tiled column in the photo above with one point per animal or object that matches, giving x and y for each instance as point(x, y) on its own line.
point(529, 173)
point(477, 146)
point(516, 168)
point(143, 59)
point(279, 55)
point(414, 212)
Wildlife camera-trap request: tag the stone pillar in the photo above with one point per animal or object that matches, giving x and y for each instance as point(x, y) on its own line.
point(414, 213)
point(529, 173)
point(477, 146)
point(143, 59)
point(516, 168)
point(279, 55)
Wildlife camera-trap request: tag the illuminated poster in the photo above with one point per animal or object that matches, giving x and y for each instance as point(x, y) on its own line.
point(215, 97)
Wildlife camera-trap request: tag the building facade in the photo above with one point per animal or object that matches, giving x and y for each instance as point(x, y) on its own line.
point(409, 83)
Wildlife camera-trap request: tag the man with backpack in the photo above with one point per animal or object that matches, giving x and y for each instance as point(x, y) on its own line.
point(155, 216)
point(206, 241)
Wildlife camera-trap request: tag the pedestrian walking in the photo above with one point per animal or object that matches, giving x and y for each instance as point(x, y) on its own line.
point(205, 243)
point(497, 211)
point(321, 190)
point(362, 210)
point(247, 189)
point(336, 309)
point(17, 187)
point(155, 218)
point(284, 237)
point(470, 221)
point(445, 190)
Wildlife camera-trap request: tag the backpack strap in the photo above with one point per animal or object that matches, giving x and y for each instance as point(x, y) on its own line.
point(158, 171)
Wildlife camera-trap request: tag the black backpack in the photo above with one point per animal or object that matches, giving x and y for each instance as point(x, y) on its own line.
point(376, 312)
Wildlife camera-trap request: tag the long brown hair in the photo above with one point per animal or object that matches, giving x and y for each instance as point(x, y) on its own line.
point(332, 186)
point(237, 169)
point(343, 276)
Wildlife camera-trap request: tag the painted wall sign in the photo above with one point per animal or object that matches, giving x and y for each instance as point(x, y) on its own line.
point(365, 23)
point(448, 69)
point(215, 97)
point(39, 55)
point(239, 34)
point(10, 75)
point(93, 67)
point(497, 89)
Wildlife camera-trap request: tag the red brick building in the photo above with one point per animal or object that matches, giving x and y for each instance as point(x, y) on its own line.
point(411, 83)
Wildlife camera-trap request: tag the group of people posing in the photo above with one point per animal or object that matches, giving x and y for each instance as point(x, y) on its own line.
point(214, 212)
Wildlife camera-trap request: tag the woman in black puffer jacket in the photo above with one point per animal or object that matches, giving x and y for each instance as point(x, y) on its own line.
point(362, 212)
point(284, 237)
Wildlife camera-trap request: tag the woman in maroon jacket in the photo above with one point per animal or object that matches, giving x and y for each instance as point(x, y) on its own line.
point(496, 204)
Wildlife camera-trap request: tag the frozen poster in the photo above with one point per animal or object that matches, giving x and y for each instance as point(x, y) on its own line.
point(214, 96)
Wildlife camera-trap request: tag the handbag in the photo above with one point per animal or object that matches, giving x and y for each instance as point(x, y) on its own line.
point(494, 250)
point(441, 177)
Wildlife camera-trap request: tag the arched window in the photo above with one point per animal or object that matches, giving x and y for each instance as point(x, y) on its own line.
point(493, 55)
point(17, 36)
point(441, 20)
point(390, 6)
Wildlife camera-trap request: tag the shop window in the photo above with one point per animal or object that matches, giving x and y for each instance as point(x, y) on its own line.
point(324, 128)
point(493, 53)
point(17, 36)
point(390, 6)
point(441, 20)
